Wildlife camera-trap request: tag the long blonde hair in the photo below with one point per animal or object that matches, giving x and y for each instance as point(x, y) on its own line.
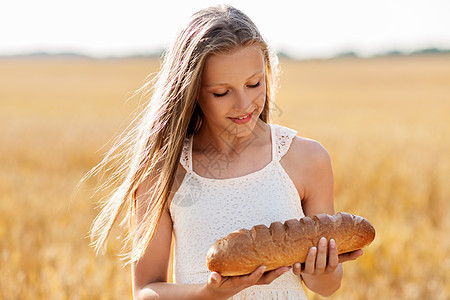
point(152, 145)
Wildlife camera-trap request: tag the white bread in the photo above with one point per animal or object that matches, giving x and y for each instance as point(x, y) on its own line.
point(242, 251)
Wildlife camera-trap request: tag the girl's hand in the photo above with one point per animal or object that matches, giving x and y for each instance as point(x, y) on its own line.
point(223, 287)
point(324, 259)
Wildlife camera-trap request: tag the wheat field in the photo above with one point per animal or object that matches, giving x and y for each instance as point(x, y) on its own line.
point(384, 121)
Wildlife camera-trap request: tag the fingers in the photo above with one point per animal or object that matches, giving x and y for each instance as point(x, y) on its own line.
point(270, 276)
point(350, 255)
point(254, 277)
point(214, 279)
point(217, 281)
point(248, 280)
point(226, 286)
point(333, 258)
point(297, 268)
point(310, 262)
point(259, 276)
point(323, 259)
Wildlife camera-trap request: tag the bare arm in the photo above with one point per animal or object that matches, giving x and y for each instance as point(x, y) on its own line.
point(319, 276)
point(310, 166)
point(150, 272)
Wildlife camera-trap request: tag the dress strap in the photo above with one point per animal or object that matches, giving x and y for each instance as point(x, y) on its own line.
point(186, 153)
point(281, 140)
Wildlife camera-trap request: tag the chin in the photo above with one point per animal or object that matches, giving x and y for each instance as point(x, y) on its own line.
point(242, 130)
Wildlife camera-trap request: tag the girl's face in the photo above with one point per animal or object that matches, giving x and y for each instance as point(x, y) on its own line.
point(233, 91)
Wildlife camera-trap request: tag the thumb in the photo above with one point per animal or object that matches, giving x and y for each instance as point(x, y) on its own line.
point(215, 278)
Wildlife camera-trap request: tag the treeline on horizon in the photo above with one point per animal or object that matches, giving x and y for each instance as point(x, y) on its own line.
point(281, 54)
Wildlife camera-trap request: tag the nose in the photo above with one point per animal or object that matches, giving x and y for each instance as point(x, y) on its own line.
point(243, 102)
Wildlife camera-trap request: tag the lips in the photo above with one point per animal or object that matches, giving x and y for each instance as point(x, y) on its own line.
point(242, 119)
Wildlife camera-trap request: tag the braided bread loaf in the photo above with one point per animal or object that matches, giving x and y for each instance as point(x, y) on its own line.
point(242, 251)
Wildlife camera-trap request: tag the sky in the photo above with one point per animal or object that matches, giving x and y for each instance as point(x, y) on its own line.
point(303, 29)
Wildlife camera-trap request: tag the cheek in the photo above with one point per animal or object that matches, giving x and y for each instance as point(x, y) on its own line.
point(260, 98)
point(212, 107)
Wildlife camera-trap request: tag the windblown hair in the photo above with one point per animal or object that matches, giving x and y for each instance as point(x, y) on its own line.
point(152, 144)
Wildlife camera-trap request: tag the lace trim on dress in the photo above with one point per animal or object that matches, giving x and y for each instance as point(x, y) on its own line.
point(185, 159)
point(283, 137)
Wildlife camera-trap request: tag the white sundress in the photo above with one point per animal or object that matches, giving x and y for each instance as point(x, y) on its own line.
point(206, 209)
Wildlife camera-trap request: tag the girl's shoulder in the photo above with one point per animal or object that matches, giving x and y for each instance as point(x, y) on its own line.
point(308, 148)
point(306, 156)
point(307, 163)
point(300, 148)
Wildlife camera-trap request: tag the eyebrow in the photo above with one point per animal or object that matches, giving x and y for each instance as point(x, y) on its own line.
point(220, 84)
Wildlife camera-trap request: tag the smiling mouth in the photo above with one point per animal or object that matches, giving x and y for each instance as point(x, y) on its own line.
point(242, 117)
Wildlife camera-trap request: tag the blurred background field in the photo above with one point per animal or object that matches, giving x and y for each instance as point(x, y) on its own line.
point(384, 120)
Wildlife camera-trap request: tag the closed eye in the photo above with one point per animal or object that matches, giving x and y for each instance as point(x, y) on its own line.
point(254, 85)
point(220, 95)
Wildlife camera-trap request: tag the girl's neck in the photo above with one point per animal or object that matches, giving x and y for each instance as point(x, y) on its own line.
point(226, 142)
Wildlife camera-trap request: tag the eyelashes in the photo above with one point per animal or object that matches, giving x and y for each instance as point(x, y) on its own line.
point(254, 85)
point(250, 86)
point(220, 95)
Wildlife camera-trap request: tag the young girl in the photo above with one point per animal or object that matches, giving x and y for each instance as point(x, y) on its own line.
point(203, 161)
